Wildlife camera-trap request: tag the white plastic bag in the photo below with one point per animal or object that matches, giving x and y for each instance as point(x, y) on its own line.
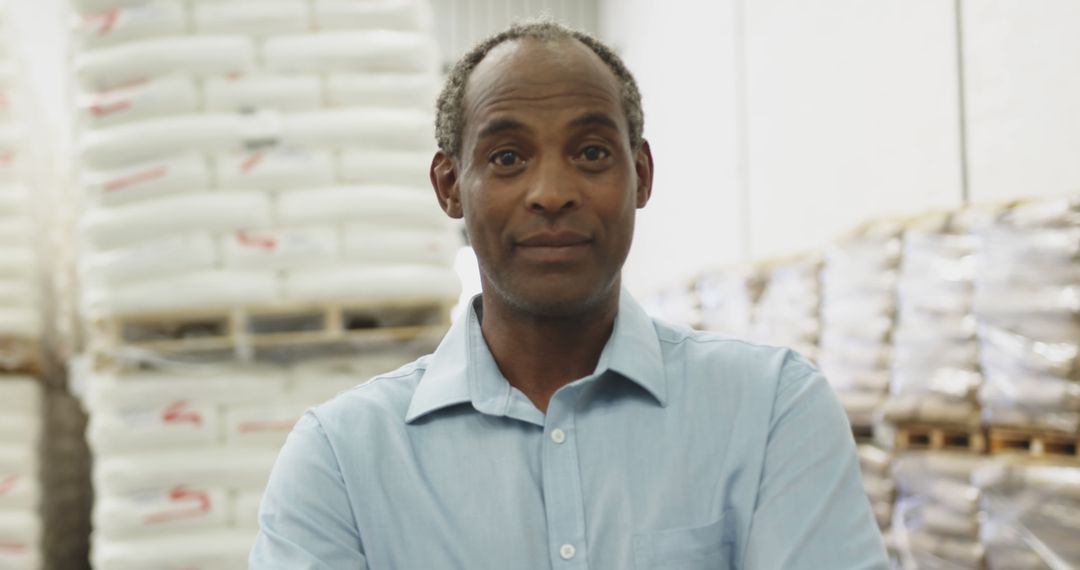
point(23, 321)
point(367, 51)
point(262, 426)
point(246, 509)
point(374, 282)
point(224, 385)
point(366, 243)
point(385, 205)
point(187, 173)
point(19, 492)
point(200, 55)
point(275, 169)
point(17, 261)
point(124, 145)
point(173, 425)
point(403, 15)
point(153, 258)
point(229, 467)
point(223, 549)
point(170, 95)
point(281, 248)
point(119, 25)
point(251, 18)
point(395, 168)
point(179, 509)
point(245, 93)
point(136, 223)
point(206, 289)
point(383, 129)
point(412, 90)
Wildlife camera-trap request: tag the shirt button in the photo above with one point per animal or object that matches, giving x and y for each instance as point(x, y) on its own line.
point(558, 436)
point(567, 551)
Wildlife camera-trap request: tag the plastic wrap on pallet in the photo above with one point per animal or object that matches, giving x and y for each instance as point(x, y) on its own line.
point(936, 520)
point(727, 300)
point(1027, 304)
point(789, 310)
point(935, 368)
point(858, 306)
point(1031, 513)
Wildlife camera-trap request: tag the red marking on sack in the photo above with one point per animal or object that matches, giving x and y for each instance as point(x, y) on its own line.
point(137, 178)
point(176, 414)
point(255, 241)
point(251, 162)
point(251, 427)
point(100, 110)
point(182, 494)
point(123, 87)
point(12, 547)
point(7, 484)
point(233, 76)
point(7, 157)
point(5, 101)
point(105, 22)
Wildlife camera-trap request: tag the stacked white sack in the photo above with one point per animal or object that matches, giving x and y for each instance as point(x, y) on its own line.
point(19, 312)
point(248, 152)
point(21, 529)
point(936, 523)
point(726, 299)
point(935, 368)
point(1027, 302)
point(789, 311)
point(1031, 513)
point(182, 457)
point(858, 308)
point(875, 464)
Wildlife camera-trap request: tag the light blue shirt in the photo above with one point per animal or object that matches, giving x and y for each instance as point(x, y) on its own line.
point(683, 450)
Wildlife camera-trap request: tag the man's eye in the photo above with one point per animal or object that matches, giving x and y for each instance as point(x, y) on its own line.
point(594, 153)
point(505, 158)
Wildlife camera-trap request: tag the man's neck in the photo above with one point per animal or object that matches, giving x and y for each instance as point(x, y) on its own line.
point(539, 355)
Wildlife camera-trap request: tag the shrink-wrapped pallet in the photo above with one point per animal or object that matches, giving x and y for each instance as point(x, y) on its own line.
point(936, 522)
point(858, 310)
point(789, 310)
point(1027, 306)
point(935, 367)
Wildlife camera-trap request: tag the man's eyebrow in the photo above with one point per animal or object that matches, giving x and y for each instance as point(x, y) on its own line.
point(501, 125)
point(595, 119)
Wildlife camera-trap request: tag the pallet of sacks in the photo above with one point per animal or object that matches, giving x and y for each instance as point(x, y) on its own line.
point(183, 453)
point(245, 153)
point(935, 374)
point(726, 300)
point(858, 313)
point(788, 312)
point(21, 428)
point(1027, 305)
point(1032, 513)
point(936, 522)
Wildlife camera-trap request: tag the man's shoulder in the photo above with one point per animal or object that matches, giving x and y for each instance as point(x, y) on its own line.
point(386, 395)
point(705, 351)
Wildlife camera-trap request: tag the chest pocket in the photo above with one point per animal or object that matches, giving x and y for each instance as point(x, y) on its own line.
point(706, 547)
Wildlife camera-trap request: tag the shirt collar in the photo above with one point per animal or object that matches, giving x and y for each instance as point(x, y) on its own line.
point(463, 369)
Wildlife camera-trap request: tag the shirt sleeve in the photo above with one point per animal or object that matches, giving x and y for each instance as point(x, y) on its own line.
point(305, 519)
point(811, 510)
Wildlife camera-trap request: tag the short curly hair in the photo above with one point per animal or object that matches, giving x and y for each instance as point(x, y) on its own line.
point(450, 114)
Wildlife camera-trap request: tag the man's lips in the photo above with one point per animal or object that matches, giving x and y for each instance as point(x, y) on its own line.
point(554, 240)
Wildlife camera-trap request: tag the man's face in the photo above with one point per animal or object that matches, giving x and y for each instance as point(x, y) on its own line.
point(546, 181)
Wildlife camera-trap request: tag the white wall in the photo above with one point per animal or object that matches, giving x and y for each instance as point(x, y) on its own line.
point(852, 112)
point(778, 125)
point(1022, 74)
point(682, 53)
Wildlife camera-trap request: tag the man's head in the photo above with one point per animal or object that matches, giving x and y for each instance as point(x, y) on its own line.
point(541, 152)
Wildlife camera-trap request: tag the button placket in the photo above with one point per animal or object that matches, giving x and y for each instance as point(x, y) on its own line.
point(562, 484)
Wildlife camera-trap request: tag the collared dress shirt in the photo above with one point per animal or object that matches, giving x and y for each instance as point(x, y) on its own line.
point(683, 450)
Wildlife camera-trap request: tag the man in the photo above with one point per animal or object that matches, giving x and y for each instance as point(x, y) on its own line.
point(557, 426)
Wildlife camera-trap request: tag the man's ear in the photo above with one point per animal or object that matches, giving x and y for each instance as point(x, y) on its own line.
point(444, 180)
point(643, 166)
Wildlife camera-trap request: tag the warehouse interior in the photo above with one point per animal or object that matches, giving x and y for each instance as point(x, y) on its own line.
point(216, 214)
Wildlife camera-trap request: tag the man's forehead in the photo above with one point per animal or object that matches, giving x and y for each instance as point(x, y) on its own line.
point(535, 68)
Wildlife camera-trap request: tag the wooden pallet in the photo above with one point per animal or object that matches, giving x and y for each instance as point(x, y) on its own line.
point(939, 437)
point(20, 355)
point(863, 433)
point(272, 326)
point(1038, 444)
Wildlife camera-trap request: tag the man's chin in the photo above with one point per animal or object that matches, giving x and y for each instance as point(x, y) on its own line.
point(559, 300)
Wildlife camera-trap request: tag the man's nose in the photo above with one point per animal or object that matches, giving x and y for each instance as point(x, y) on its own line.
point(553, 190)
